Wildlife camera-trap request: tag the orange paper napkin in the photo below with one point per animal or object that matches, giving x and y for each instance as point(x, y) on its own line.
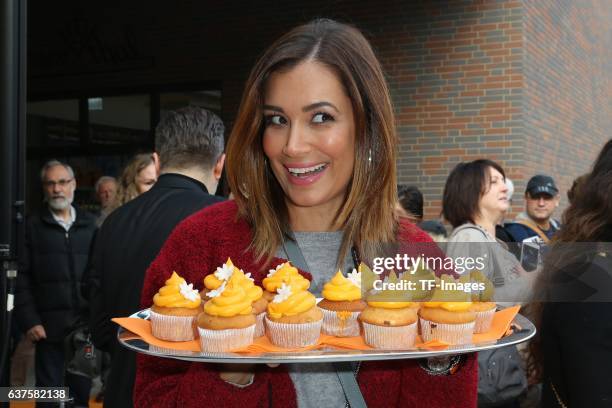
point(500, 326)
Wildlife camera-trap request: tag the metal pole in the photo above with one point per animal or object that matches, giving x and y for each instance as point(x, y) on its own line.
point(12, 155)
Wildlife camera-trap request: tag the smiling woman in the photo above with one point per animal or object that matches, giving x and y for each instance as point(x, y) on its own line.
point(311, 162)
point(309, 140)
point(319, 101)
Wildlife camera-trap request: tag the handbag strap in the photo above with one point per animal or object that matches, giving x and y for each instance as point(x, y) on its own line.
point(344, 370)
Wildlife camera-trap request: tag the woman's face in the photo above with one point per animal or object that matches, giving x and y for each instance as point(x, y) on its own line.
point(309, 136)
point(494, 201)
point(146, 178)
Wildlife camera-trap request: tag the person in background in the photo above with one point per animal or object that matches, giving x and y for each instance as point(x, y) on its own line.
point(411, 201)
point(312, 156)
point(537, 224)
point(475, 199)
point(106, 191)
point(572, 349)
point(49, 302)
point(189, 149)
point(138, 176)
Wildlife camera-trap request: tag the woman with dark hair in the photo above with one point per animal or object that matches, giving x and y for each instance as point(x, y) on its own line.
point(311, 159)
point(475, 198)
point(572, 353)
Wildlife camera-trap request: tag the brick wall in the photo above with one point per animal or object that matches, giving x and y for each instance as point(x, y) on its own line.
point(567, 86)
point(457, 85)
point(465, 76)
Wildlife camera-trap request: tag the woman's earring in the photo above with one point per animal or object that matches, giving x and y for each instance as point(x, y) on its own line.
point(370, 157)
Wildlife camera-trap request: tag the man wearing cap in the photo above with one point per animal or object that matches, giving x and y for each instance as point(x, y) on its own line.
point(537, 224)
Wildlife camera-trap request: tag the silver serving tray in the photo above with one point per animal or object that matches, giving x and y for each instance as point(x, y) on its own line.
point(523, 331)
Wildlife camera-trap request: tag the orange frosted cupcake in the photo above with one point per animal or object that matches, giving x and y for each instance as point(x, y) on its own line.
point(227, 322)
point(254, 292)
point(342, 304)
point(174, 310)
point(450, 322)
point(283, 273)
point(388, 323)
point(293, 318)
point(216, 279)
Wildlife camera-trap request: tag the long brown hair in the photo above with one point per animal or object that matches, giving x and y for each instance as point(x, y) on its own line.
point(587, 219)
point(127, 189)
point(367, 214)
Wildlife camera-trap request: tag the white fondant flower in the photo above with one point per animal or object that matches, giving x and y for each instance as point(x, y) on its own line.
point(355, 278)
point(273, 271)
point(224, 272)
point(247, 275)
point(283, 293)
point(217, 292)
point(188, 291)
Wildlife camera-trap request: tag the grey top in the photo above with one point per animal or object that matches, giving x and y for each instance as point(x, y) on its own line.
point(317, 385)
point(501, 267)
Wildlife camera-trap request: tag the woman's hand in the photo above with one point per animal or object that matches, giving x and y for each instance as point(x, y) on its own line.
point(237, 374)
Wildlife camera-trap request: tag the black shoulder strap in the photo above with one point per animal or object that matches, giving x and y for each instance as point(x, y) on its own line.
point(294, 253)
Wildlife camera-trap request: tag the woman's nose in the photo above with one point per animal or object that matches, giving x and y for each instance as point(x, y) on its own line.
point(297, 143)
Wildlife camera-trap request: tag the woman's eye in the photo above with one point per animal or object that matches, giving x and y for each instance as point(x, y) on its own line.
point(277, 120)
point(322, 117)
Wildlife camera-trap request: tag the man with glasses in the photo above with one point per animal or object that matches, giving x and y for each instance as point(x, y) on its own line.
point(49, 301)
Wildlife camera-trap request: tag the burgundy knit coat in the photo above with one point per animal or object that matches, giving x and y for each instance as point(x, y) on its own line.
point(195, 249)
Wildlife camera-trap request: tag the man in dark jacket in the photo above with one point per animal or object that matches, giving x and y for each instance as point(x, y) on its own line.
point(49, 301)
point(189, 149)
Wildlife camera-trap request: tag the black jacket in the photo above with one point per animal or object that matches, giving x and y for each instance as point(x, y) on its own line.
point(126, 244)
point(576, 333)
point(49, 282)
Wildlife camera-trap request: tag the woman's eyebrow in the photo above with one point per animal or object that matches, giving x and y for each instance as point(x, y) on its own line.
point(306, 108)
point(316, 105)
point(274, 108)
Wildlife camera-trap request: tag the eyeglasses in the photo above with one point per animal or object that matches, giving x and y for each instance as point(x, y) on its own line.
point(61, 183)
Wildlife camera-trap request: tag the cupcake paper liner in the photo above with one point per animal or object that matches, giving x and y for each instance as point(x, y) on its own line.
point(335, 326)
point(484, 321)
point(260, 328)
point(293, 335)
point(168, 351)
point(390, 338)
point(448, 333)
point(173, 328)
point(225, 340)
